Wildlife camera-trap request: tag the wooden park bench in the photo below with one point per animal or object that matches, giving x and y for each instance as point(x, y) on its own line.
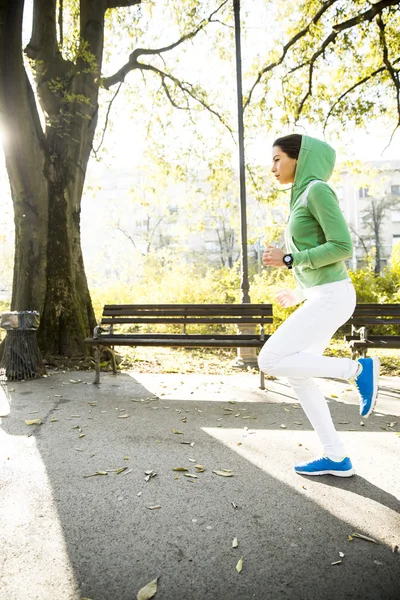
point(134, 317)
point(374, 326)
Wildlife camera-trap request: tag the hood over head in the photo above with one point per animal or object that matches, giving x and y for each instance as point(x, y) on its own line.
point(316, 161)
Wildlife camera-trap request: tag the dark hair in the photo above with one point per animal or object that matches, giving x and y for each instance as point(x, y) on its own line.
point(289, 144)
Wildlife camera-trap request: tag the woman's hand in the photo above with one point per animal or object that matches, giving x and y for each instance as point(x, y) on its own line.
point(273, 257)
point(287, 297)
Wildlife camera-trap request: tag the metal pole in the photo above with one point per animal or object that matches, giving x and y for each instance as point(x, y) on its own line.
point(242, 175)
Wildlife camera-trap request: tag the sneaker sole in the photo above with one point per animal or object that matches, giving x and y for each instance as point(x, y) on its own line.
point(375, 370)
point(348, 473)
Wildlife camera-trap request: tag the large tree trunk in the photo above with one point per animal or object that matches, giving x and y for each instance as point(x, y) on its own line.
point(24, 148)
point(46, 172)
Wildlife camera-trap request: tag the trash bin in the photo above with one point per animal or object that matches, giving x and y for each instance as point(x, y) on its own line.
point(21, 358)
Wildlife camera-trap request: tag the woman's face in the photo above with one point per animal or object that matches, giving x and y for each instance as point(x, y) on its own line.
point(283, 167)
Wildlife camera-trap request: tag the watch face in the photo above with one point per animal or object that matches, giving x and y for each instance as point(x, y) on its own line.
point(287, 259)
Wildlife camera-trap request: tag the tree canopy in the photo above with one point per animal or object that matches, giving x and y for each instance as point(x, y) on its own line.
point(332, 62)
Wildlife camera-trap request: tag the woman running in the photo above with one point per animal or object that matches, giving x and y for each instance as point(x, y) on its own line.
point(318, 242)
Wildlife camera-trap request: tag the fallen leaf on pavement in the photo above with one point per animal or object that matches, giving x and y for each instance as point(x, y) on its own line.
point(364, 537)
point(235, 543)
point(180, 469)
point(176, 431)
point(239, 565)
point(224, 473)
point(337, 562)
point(154, 507)
point(121, 470)
point(97, 473)
point(148, 591)
point(33, 421)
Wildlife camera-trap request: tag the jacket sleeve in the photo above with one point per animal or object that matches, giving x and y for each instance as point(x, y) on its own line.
point(324, 207)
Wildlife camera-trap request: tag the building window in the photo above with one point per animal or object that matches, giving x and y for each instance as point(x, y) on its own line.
point(395, 190)
point(363, 192)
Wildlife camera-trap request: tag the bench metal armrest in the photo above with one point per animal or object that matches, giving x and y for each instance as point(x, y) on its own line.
point(362, 331)
point(99, 329)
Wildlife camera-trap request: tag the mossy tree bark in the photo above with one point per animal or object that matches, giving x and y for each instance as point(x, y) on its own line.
point(47, 164)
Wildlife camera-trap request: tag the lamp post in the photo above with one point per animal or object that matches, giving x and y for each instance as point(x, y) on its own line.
point(247, 357)
point(244, 285)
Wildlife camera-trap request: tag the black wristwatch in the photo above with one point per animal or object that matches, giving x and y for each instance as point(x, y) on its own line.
point(288, 261)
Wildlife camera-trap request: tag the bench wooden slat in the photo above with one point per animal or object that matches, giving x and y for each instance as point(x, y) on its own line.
point(183, 342)
point(375, 321)
point(186, 320)
point(185, 312)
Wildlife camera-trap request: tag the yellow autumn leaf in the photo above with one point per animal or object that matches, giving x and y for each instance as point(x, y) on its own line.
point(334, 396)
point(148, 591)
point(239, 565)
point(97, 473)
point(223, 473)
point(180, 469)
point(176, 431)
point(33, 421)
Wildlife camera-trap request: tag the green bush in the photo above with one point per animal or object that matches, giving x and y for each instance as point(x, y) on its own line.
point(167, 280)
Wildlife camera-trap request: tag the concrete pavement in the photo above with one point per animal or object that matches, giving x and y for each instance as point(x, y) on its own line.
point(68, 534)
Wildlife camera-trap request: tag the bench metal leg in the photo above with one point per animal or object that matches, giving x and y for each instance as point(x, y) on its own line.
point(262, 380)
point(97, 364)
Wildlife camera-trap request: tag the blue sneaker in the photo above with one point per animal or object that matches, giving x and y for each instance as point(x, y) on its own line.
point(326, 466)
point(366, 384)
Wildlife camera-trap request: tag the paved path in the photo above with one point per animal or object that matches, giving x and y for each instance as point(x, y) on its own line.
point(66, 536)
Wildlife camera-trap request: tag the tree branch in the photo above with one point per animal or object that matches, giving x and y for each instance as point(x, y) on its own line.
point(326, 5)
point(122, 3)
point(43, 43)
point(106, 121)
point(353, 87)
point(368, 15)
point(184, 87)
point(61, 22)
point(394, 74)
point(133, 58)
point(352, 229)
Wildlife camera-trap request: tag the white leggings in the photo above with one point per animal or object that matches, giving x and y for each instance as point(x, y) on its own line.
point(296, 349)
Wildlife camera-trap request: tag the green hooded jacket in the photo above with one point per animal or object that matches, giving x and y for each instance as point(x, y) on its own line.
point(317, 234)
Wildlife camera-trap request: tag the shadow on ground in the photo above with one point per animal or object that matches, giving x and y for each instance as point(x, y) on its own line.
point(290, 529)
